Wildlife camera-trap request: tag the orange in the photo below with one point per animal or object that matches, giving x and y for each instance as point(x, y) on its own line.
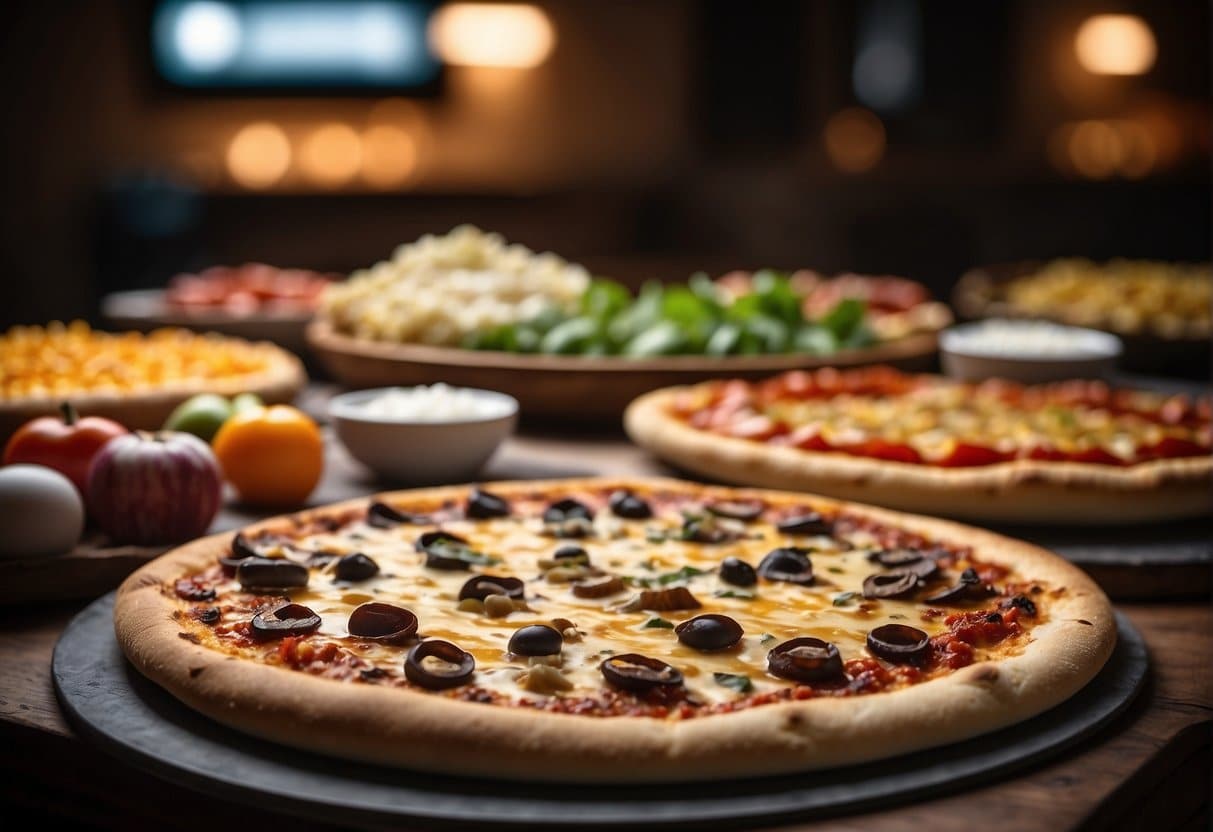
point(272, 456)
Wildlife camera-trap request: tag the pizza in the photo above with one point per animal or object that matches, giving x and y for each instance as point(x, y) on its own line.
point(613, 630)
point(1066, 452)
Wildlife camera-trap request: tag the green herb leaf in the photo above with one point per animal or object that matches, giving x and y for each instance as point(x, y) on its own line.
point(837, 570)
point(766, 639)
point(734, 593)
point(844, 318)
point(898, 616)
point(741, 684)
point(658, 624)
point(844, 598)
point(680, 576)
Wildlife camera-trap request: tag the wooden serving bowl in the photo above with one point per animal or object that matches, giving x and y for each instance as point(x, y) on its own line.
point(572, 387)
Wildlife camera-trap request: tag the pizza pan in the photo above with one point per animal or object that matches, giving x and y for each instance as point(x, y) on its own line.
point(111, 704)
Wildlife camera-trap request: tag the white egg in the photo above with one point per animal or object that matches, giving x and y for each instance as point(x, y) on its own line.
point(41, 513)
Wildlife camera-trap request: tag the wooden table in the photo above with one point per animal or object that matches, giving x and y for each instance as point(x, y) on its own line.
point(1150, 767)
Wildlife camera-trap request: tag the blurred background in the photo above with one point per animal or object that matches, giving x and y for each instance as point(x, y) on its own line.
point(643, 138)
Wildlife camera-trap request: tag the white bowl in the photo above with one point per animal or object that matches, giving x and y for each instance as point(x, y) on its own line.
point(1027, 351)
point(418, 452)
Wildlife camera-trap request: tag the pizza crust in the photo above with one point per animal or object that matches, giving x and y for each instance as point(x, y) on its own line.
point(402, 727)
point(1021, 491)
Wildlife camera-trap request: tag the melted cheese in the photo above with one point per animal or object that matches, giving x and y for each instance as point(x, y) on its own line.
point(777, 612)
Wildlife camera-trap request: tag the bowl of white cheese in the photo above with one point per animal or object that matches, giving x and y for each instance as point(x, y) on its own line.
point(1027, 351)
point(423, 435)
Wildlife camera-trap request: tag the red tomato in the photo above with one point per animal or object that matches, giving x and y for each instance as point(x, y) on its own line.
point(882, 449)
point(965, 455)
point(67, 443)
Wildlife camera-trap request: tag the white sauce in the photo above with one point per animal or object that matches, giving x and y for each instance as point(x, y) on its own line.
point(433, 403)
point(1000, 338)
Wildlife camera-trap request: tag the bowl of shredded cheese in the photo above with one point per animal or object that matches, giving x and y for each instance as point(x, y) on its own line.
point(1027, 350)
point(423, 435)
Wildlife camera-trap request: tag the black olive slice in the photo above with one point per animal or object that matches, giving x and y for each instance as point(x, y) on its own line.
point(570, 552)
point(709, 632)
point(242, 547)
point(271, 573)
point(483, 505)
point(890, 584)
point(737, 572)
point(356, 567)
point(968, 588)
point(444, 550)
point(536, 640)
point(1023, 602)
point(895, 558)
point(208, 615)
point(743, 510)
point(287, 620)
point(563, 510)
point(634, 672)
point(382, 622)
point(805, 659)
point(460, 667)
point(627, 505)
point(924, 569)
point(383, 516)
point(482, 586)
point(789, 564)
point(708, 528)
point(807, 523)
point(900, 644)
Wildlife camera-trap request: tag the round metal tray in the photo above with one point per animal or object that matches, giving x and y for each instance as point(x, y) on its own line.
point(110, 703)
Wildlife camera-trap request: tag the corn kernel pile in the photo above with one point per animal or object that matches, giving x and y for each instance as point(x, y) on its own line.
point(69, 359)
point(439, 289)
point(1128, 296)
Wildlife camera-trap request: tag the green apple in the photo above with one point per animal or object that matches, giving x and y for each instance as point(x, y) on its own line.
point(201, 415)
point(246, 401)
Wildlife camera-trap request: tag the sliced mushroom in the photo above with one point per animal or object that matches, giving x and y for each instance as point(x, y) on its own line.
point(598, 587)
point(661, 600)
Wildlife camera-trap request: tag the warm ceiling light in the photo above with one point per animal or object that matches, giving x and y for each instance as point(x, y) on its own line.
point(854, 140)
point(1096, 149)
point(388, 156)
point(1115, 44)
point(331, 155)
point(259, 155)
point(491, 34)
